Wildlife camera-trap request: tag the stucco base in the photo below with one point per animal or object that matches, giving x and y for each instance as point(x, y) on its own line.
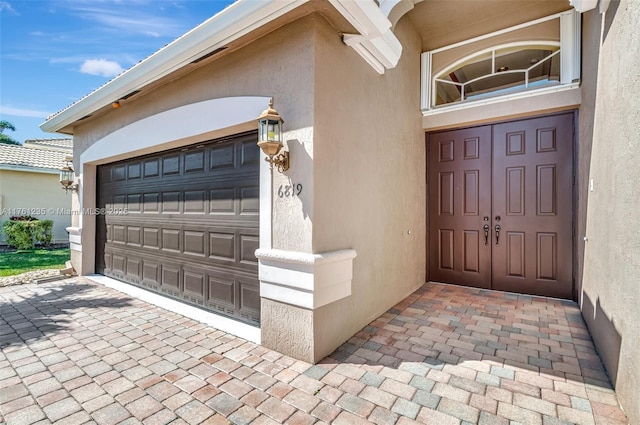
point(288, 329)
point(76, 262)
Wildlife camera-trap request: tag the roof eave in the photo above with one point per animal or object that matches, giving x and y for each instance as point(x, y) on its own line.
point(230, 24)
point(28, 169)
point(235, 21)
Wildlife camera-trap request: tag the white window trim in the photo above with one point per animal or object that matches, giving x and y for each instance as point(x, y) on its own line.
point(569, 63)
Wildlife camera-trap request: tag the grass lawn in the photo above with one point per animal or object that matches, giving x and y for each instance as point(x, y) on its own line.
point(16, 262)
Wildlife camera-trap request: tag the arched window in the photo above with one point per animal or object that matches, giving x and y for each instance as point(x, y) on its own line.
point(503, 69)
point(532, 58)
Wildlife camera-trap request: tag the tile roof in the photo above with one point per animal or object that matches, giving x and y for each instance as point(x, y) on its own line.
point(62, 144)
point(12, 156)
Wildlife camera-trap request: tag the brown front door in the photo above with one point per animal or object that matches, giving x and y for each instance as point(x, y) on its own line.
point(500, 206)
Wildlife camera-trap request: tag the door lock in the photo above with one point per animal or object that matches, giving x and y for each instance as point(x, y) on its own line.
point(486, 234)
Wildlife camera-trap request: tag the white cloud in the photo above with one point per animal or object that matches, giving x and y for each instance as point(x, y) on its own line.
point(6, 7)
point(20, 112)
point(102, 67)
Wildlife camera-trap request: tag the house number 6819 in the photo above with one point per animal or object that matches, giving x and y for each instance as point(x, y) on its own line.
point(289, 191)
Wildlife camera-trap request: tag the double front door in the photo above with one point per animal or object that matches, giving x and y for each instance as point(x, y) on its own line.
point(500, 206)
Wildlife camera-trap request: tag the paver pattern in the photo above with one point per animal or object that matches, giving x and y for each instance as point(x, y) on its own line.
point(76, 352)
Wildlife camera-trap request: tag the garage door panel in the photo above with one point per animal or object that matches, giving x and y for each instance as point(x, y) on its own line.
point(222, 290)
point(134, 235)
point(151, 238)
point(170, 202)
point(171, 165)
point(195, 242)
point(222, 201)
point(134, 201)
point(107, 261)
point(222, 246)
point(248, 245)
point(151, 168)
point(250, 156)
point(134, 266)
point(151, 202)
point(194, 202)
point(192, 225)
point(194, 283)
point(151, 273)
point(249, 298)
point(119, 173)
point(170, 277)
point(118, 234)
point(194, 162)
point(249, 200)
point(134, 171)
point(171, 240)
point(118, 263)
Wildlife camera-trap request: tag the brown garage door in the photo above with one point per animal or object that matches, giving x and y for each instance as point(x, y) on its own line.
point(191, 224)
point(500, 206)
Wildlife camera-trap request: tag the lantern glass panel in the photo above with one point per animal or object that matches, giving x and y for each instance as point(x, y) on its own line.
point(273, 130)
point(66, 175)
point(262, 129)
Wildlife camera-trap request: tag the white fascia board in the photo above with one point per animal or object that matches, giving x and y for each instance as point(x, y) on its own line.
point(376, 42)
point(365, 16)
point(237, 20)
point(356, 42)
point(28, 169)
point(381, 52)
point(386, 48)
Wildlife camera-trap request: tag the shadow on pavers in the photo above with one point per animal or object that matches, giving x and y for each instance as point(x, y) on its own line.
point(30, 313)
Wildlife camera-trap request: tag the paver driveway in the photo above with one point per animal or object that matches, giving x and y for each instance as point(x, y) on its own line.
point(77, 352)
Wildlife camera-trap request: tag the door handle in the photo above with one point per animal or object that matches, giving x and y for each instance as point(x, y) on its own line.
point(486, 234)
point(497, 229)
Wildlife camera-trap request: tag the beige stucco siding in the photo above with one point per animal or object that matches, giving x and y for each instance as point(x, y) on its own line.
point(38, 194)
point(279, 65)
point(611, 266)
point(369, 179)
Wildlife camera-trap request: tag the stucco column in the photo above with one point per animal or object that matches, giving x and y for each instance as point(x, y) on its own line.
point(294, 281)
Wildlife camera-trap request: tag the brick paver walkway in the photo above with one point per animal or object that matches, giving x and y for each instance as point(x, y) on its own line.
point(76, 352)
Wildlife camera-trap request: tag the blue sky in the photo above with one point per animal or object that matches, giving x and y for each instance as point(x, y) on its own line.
point(54, 52)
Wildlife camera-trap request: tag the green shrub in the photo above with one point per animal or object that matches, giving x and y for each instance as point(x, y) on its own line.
point(26, 232)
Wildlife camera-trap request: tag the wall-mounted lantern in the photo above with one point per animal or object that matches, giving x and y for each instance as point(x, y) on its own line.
point(67, 176)
point(270, 138)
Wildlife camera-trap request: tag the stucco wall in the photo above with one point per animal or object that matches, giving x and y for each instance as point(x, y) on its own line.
point(611, 266)
point(39, 192)
point(369, 179)
point(280, 65)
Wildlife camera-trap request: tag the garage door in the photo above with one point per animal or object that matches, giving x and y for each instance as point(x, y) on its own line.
point(191, 224)
point(500, 206)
